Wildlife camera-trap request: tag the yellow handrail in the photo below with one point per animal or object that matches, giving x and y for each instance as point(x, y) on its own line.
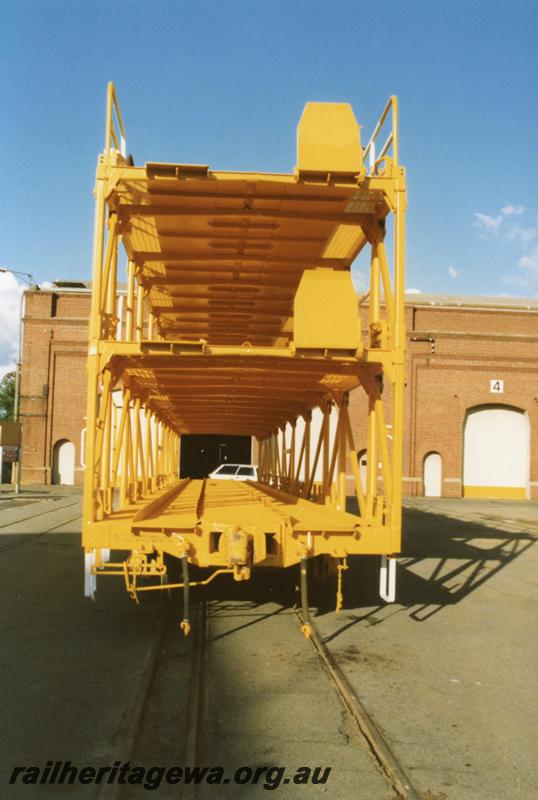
point(115, 130)
point(369, 155)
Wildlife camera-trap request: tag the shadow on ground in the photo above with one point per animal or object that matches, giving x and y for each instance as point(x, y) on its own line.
point(444, 559)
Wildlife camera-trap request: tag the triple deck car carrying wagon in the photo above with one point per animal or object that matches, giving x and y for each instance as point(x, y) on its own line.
point(240, 317)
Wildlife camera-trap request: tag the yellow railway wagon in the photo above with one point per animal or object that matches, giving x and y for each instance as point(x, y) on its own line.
point(240, 317)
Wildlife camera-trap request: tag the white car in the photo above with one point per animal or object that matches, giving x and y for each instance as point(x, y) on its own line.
point(235, 472)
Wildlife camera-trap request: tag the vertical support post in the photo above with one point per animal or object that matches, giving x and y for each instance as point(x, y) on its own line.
point(384, 451)
point(372, 440)
point(164, 452)
point(120, 331)
point(150, 452)
point(266, 454)
point(185, 623)
point(270, 458)
point(91, 479)
point(359, 491)
point(387, 579)
point(143, 451)
point(259, 442)
point(306, 627)
point(111, 299)
point(107, 447)
point(139, 311)
point(107, 263)
point(118, 443)
point(113, 440)
point(307, 441)
point(329, 488)
point(129, 313)
point(125, 445)
point(278, 460)
point(157, 460)
point(281, 439)
point(375, 293)
point(372, 456)
point(156, 465)
point(399, 368)
point(387, 290)
point(168, 445)
point(137, 443)
point(291, 465)
point(314, 465)
point(342, 440)
point(133, 467)
point(326, 451)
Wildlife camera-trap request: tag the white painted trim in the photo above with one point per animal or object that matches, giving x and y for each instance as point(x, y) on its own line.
point(387, 579)
point(90, 581)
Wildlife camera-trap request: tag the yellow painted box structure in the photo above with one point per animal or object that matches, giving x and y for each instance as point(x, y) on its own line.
point(241, 318)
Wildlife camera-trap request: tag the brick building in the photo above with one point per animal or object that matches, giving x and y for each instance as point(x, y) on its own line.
point(53, 383)
point(471, 406)
point(471, 401)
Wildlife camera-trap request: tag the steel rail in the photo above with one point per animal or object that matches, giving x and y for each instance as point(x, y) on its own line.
point(41, 513)
point(137, 709)
point(28, 539)
point(135, 715)
point(196, 706)
point(379, 747)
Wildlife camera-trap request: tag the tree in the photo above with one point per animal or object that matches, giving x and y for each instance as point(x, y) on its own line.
point(7, 396)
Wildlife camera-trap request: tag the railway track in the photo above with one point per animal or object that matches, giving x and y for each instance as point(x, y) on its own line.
point(169, 722)
point(198, 733)
point(28, 538)
point(164, 722)
point(37, 513)
point(379, 746)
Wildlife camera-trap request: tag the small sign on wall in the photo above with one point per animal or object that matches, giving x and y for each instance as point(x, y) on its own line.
point(496, 387)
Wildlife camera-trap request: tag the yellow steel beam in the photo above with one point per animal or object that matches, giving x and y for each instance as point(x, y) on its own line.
point(216, 338)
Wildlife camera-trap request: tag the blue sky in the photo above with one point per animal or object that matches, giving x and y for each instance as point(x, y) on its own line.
point(224, 82)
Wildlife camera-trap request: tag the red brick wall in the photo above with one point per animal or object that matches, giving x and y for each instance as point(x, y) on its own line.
point(445, 378)
point(451, 374)
point(53, 380)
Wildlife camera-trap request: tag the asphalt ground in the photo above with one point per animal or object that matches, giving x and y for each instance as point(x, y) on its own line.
point(447, 673)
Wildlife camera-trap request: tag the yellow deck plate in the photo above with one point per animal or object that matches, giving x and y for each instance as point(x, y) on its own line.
point(224, 504)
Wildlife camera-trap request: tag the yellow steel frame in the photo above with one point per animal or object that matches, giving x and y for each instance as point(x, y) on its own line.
point(204, 343)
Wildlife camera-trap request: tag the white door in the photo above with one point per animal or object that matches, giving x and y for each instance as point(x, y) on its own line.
point(432, 475)
point(63, 466)
point(496, 451)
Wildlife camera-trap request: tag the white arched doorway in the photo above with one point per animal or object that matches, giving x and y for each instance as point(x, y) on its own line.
point(496, 452)
point(63, 463)
point(432, 475)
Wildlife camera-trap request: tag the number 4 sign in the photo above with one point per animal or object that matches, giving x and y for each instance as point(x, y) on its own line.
point(496, 387)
